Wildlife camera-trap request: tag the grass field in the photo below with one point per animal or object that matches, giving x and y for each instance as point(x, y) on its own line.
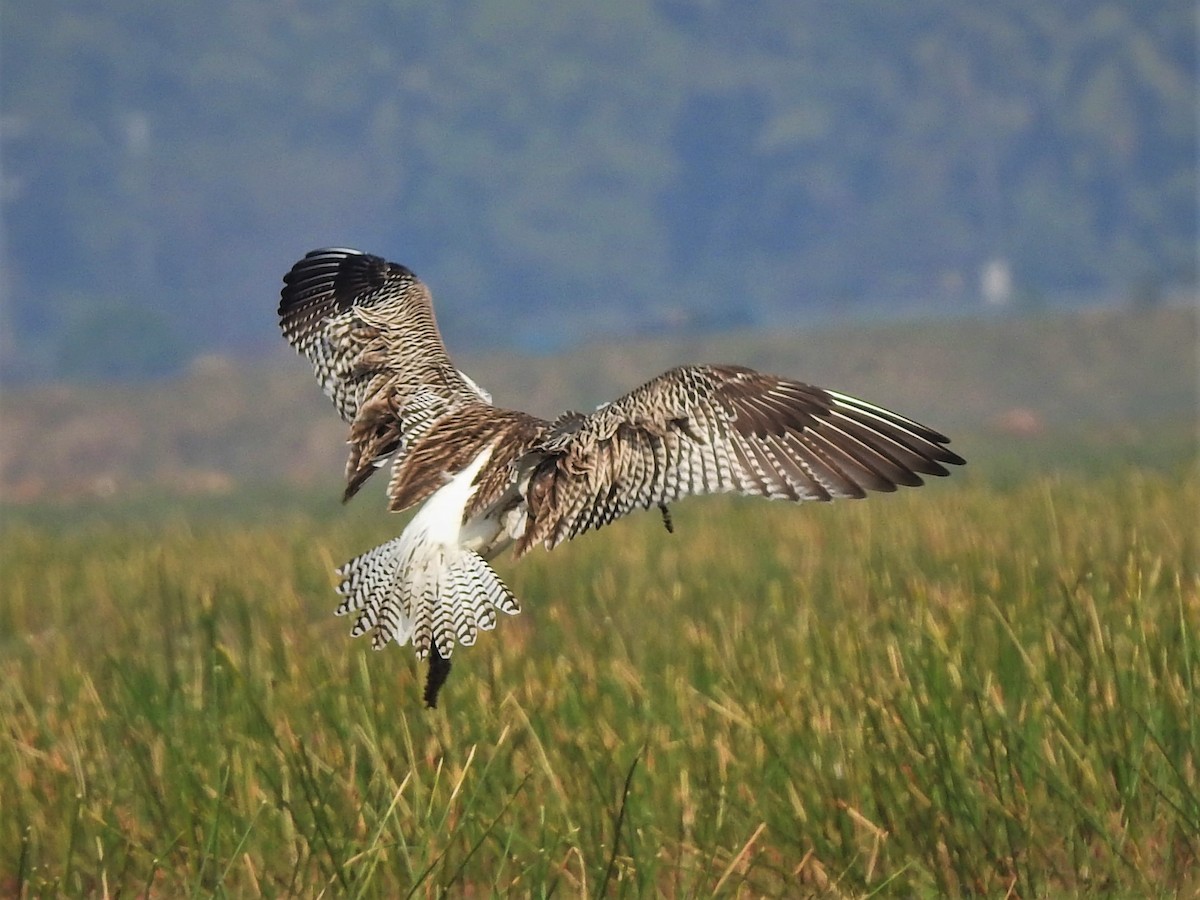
point(983, 687)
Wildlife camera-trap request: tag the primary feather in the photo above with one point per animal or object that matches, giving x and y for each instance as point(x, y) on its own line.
point(489, 477)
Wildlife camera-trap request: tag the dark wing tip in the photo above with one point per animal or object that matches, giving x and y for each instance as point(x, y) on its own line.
point(916, 449)
point(316, 274)
point(949, 457)
point(329, 281)
point(848, 446)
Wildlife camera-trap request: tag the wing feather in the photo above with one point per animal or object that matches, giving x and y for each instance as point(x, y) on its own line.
point(368, 328)
point(717, 429)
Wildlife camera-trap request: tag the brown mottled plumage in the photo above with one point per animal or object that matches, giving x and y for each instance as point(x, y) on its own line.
point(488, 477)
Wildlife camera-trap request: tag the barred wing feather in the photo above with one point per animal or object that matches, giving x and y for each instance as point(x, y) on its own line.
point(718, 429)
point(368, 328)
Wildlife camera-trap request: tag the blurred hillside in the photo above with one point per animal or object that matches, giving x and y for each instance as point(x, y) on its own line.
point(569, 169)
point(991, 385)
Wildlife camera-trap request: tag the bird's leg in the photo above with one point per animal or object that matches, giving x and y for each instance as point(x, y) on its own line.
point(439, 670)
point(666, 514)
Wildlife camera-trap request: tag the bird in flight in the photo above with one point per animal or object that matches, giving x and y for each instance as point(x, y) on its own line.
point(487, 478)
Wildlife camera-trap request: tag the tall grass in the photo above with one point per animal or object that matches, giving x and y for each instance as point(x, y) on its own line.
point(959, 690)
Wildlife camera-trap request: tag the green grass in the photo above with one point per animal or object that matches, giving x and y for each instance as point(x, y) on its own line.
point(980, 687)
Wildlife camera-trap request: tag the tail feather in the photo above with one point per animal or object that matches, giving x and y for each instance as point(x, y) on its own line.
point(372, 584)
point(468, 594)
point(431, 595)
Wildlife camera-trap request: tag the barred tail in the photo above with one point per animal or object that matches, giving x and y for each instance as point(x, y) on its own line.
point(429, 594)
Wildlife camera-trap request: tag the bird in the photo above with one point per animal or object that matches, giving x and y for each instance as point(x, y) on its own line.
point(485, 478)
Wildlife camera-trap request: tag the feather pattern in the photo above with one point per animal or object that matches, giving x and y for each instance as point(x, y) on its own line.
point(486, 478)
point(719, 429)
point(368, 328)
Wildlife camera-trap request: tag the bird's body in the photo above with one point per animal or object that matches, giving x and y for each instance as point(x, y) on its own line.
point(488, 478)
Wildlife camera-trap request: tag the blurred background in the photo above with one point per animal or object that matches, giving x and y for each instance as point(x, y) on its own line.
point(947, 203)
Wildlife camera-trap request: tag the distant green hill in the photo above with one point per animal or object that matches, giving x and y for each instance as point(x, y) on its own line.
point(1005, 389)
point(575, 167)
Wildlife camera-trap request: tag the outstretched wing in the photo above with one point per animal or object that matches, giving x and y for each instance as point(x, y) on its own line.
point(368, 328)
point(715, 429)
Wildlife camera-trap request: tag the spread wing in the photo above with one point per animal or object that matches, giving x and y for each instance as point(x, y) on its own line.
point(716, 429)
point(368, 328)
